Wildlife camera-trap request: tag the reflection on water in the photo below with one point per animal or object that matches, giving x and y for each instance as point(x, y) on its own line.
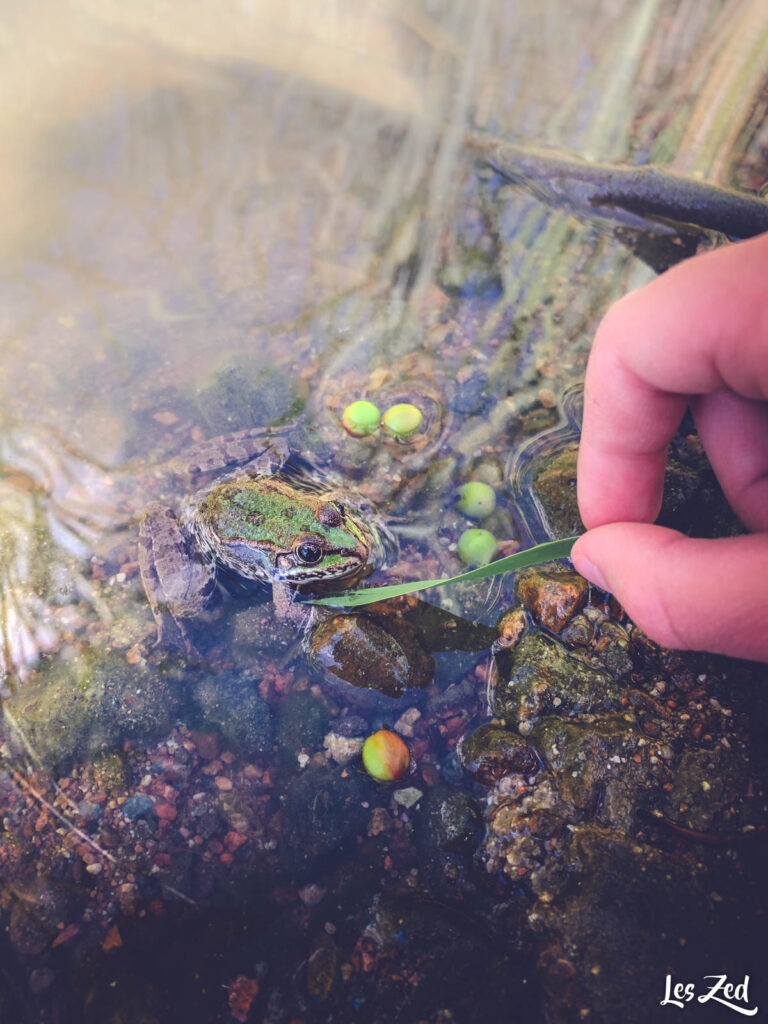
point(221, 219)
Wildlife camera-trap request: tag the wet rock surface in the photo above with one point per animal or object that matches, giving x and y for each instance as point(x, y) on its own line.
point(543, 676)
point(582, 812)
point(90, 703)
point(370, 664)
point(323, 813)
point(553, 595)
point(490, 752)
point(649, 802)
point(611, 813)
point(693, 501)
point(555, 485)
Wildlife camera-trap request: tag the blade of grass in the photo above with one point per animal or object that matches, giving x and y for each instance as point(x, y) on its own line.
point(539, 553)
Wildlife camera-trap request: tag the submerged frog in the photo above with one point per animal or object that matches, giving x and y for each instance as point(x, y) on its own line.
point(267, 520)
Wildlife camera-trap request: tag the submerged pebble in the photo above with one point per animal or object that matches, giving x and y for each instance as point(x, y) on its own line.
point(137, 806)
point(490, 752)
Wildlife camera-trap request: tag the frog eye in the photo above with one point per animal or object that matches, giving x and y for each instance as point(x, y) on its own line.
point(309, 552)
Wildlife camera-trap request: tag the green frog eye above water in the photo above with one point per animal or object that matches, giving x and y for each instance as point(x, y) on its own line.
point(309, 550)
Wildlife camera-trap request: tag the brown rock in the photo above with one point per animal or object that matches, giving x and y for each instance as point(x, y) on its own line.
point(207, 744)
point(511, 627)
point(553, 596)
point(491, 752)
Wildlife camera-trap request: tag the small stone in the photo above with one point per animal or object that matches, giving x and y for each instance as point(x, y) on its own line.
point(380, 822)
point(579, 631)
point(470, 396)
point(547, 397)
point(66, 934)
point(112, 940)
point(451, 819)
point(222, 783)
point(242, 992)
point(310, 895)
point(166, 418)
point(351, 725)
point(405, 723)
point(234, 840)
point(137, 806)
point(127, 896)
point(552, 596)
point(342, 749)
point(511, 627)
point(408, 797)
point(90, 812)
point(93, 869)
point(207, 744)
point(40, 979)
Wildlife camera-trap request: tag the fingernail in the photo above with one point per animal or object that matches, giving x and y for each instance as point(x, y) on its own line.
point(590, 571)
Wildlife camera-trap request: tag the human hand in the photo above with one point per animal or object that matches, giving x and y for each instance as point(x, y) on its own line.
point(696, 336)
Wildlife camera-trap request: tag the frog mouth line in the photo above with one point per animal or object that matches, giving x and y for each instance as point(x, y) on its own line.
point(320, 575)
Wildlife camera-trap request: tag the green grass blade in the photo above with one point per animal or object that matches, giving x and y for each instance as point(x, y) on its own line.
point(541, 553)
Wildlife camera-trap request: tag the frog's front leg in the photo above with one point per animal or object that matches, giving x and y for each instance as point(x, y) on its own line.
point(177, 580)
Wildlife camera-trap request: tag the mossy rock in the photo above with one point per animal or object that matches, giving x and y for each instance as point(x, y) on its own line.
point(323, 813)
point(92, 703)
point(490, 752)
point(303, 723)
point(544, 677)
point(555, 485)
point(595, 767)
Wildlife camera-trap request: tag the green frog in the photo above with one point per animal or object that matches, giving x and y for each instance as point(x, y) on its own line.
point(267, 520)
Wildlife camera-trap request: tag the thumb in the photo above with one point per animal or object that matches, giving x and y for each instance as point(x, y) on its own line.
point(704, 595)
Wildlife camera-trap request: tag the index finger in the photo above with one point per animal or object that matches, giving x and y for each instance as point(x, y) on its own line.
point(700, 327)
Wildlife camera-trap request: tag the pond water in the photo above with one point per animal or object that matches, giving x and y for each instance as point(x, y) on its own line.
point(240, 219)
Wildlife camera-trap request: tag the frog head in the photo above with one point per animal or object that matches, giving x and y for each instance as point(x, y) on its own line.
point(269, 529)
